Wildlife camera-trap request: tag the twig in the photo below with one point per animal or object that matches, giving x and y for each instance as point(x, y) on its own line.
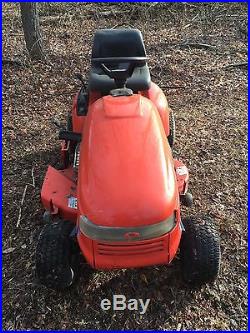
point(188, 4)
point(51, 18)
point(239, 64)
point(32, 175)
point(123, 25)
point(24, 193)
point(153, 4)
point(12, 62)
point(111, 12)
point(230, 15)
point(15, 34)
point(173, 87)
point(60, 93)
point(197, 45)
point(117, 25)
point(20, 208)
point(178, 328)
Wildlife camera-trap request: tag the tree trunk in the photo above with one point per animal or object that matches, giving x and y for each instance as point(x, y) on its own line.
point(31, 30)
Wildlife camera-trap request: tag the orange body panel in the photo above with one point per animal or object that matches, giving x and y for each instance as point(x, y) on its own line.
point(126, 172)
point(127, 177)
point(58, 187)
point(155, 94)
point(157, 97)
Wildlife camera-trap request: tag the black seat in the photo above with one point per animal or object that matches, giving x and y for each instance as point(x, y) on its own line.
point(118, 43)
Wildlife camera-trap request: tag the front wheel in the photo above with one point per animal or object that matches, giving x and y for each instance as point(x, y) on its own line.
point(57, 255)
point(200, 250)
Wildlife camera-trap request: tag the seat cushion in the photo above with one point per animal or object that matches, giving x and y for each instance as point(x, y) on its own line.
point(99, 81)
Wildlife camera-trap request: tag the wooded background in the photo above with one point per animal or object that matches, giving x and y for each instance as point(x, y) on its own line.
point(198, 55)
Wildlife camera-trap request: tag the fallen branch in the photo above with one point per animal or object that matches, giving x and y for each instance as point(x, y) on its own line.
point(239, 64)
point(20, 208)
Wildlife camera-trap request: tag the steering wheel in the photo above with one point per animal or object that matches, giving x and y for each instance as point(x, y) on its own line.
point(120, 75)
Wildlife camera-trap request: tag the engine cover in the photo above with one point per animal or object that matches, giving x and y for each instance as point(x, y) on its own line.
point(126, 170)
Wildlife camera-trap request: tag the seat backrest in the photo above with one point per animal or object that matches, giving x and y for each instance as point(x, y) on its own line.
point(115, 44)
point(118, 43)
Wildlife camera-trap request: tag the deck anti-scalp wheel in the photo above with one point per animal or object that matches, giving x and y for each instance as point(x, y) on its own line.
point(200, 250)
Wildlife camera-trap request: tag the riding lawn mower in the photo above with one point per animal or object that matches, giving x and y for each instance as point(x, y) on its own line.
point(116, 200)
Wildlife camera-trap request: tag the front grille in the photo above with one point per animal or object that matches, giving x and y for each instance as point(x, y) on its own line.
point(129, 249)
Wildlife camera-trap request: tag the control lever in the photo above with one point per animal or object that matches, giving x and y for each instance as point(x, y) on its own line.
point(69, 136)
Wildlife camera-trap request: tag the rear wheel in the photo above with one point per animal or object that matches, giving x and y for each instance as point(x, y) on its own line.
point(171, 137)
point(57, 255)
point(200, 250)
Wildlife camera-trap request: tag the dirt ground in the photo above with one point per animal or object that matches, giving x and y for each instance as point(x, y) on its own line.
point(206, 86)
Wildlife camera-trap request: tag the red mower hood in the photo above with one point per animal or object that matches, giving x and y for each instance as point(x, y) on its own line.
point(126, 173)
